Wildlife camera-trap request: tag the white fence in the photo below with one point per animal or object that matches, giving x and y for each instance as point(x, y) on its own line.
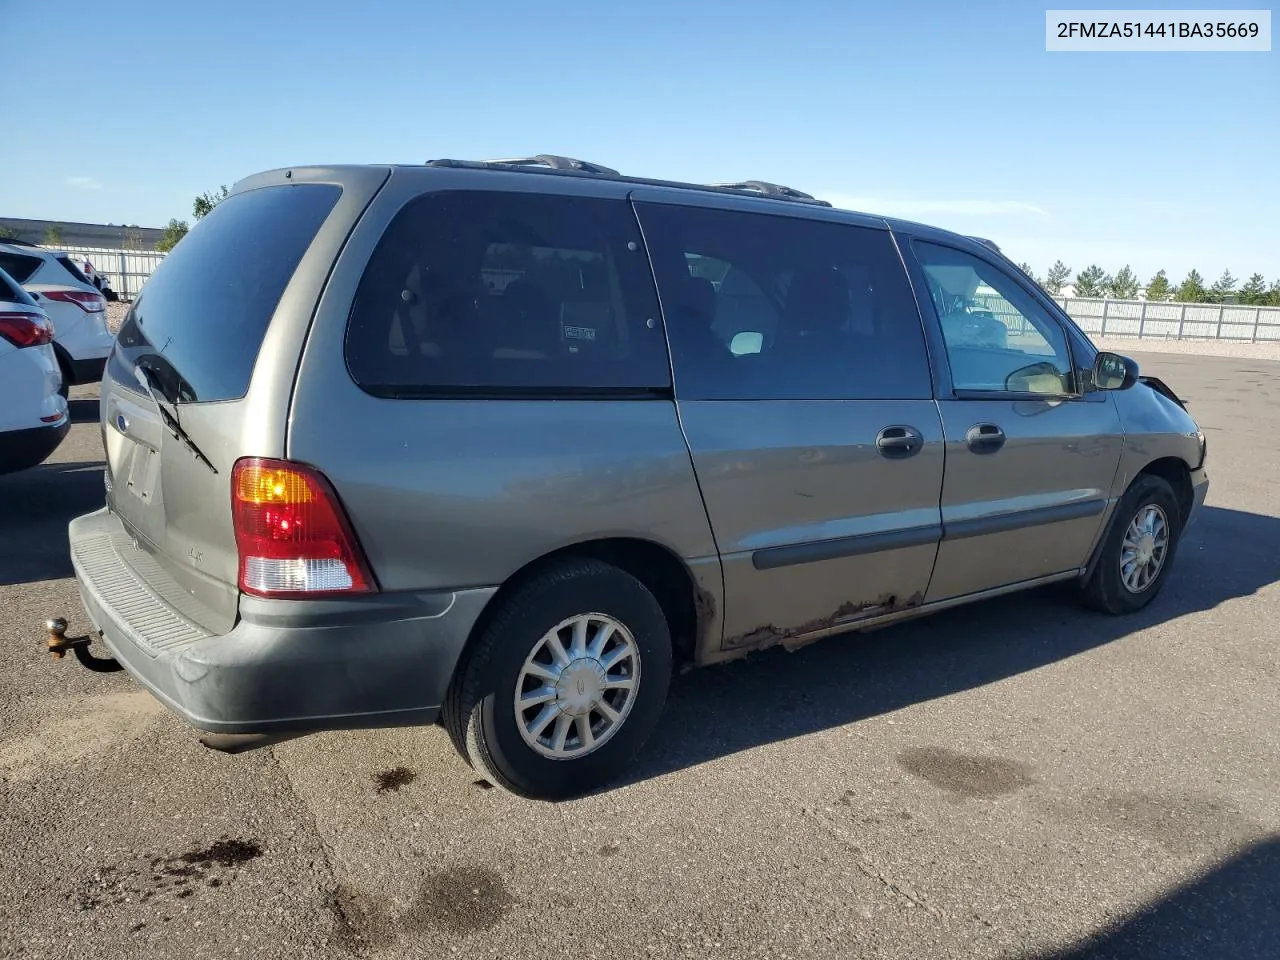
point(129, 269)
point(1176, 321)
point(126, 269)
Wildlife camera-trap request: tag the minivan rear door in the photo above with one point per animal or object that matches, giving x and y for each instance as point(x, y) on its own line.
point(181, 400)
point(805, 393)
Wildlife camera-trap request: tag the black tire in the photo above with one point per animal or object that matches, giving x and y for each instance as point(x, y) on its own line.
point(1105, 590)
point(479, 711)
point(64, 391)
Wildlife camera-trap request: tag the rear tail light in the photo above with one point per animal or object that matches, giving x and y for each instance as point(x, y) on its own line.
point(292, 533)
point(86, 301)
point(25, 329)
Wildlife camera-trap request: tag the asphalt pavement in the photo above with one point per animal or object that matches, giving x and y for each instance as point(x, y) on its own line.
point(1018, 778)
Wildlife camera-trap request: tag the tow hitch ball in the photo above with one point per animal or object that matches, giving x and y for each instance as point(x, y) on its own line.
point(59, 645)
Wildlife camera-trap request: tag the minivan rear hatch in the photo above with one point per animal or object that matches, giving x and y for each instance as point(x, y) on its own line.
point(177, 405)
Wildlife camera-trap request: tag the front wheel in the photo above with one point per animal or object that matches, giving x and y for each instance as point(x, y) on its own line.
point(565, 683)
point(1135, 556)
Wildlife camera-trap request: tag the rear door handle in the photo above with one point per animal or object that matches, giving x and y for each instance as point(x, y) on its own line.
point(898, 442)
point(984, 438)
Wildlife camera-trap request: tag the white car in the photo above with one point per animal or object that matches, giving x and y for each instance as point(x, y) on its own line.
point(33, 413)
point(76, 307)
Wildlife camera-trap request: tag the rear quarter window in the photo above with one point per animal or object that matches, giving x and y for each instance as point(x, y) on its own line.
point(69, 265)
point(495, 293)
point(18, 266)
point(202, 316)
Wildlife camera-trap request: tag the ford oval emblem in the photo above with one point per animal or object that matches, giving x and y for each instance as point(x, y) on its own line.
point(122, 423)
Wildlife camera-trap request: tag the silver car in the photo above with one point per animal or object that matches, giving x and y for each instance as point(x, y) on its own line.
point(501, 444)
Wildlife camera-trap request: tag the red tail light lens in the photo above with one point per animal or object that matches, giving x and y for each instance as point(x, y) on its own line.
point(293, 536)
point(25, 329)
point(88, 302)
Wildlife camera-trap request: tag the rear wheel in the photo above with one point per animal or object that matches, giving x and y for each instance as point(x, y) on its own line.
point(565, 683)
point(1135, 556)
point(63, 365)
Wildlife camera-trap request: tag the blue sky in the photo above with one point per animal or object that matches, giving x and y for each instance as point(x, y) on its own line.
point(946, 112)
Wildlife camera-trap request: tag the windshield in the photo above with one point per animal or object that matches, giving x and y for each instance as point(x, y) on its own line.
point(200, 320)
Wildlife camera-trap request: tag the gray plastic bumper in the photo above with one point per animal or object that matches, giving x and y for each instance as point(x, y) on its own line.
point(286, 665)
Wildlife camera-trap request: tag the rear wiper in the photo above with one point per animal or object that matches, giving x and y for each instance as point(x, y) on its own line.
point(170, 417)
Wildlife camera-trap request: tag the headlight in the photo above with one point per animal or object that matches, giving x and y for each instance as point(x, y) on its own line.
point(1204, 447)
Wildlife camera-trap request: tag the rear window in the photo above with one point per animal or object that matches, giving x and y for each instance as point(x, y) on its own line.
point(17, 266)
point(72, 269)
point(201, 317)
point(476, 293)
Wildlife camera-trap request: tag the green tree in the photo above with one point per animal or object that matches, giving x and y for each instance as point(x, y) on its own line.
point(1092, 281)
point(1026, 268)
point(1124, 285)
point(204, 203)
point(1254, 292)
point(1223, 289)
point(1273, 295)
point(7, 232)
point(1056, 277)
point(52, 236)
point(174, 231)
point(1192, 289)
point(1158, 288)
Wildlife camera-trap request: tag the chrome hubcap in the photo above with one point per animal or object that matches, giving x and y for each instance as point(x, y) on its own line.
point(577, 686)
point(1142, 553)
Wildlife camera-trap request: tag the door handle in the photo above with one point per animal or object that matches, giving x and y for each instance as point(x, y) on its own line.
point(984, 438)
point(897, 443)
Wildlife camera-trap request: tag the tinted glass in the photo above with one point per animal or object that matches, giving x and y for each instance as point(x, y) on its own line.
point(473, 292)
point(17, 266)
point(998, 337)
point(12, 292)
point(75, 271)
point(201, 317)
point(770, 307)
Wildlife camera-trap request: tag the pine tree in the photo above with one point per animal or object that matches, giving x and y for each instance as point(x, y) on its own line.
point(1254, 292)
point(1092, 281)
point(1158, 288)
point(1026, 268)
point(1192, 289)
point(1224, 288)
point(1056, 277)
point(1124, 285)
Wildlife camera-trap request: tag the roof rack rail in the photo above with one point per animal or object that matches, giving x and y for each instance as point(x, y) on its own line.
point(547, 160)
point(774, 190)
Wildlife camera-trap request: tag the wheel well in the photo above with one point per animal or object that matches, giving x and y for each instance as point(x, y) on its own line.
point(665, 574)
point(1177, 475)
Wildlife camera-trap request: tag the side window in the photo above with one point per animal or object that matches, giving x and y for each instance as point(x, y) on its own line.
point(998, 338)
point(471, 292)
point(19, 267)
point(760, 306)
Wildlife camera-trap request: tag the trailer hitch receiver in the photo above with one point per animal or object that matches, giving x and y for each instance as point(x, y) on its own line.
point(59, 644)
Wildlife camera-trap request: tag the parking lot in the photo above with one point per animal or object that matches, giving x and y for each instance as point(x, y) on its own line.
point(1018, 778)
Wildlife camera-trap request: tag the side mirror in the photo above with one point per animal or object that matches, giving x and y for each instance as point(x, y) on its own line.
point(1114, 372)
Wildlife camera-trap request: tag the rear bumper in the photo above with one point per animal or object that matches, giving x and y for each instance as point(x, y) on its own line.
point(286, 665)
point(21, 449)
point(87, 371)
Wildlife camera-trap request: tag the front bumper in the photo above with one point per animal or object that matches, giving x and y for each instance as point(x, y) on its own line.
point(1199, 490)
point(286, 665)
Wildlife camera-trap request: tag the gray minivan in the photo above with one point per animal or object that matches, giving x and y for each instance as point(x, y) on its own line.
point(499, 444)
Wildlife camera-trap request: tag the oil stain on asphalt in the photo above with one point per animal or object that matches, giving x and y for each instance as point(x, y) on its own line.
point(966, 775)
point(179, 875)
point(459, 900)
point(390, 781)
